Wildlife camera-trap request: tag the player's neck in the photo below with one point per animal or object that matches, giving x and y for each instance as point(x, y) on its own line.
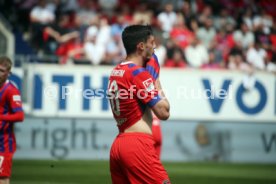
point(138, 60)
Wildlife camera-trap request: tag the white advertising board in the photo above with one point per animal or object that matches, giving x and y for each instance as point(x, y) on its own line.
point(215, 95)
point(39, 138)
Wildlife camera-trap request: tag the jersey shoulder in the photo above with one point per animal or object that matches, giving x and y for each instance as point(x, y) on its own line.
point(9, 88)
point(128, 71)
point(153, 67)
point(12, 88)
point(154, 61)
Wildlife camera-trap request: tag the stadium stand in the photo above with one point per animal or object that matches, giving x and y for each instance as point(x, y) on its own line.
point(61, 29)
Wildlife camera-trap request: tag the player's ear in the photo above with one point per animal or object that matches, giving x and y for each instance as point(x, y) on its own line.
point(141, 45)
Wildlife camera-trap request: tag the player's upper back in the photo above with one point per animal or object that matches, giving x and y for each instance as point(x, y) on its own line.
point(131, 90)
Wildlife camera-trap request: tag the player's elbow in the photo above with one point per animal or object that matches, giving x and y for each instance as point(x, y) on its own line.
point(164, 115)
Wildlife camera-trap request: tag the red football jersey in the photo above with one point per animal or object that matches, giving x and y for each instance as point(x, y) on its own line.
point(153, 67)
point(131, 90)
point(10, 102)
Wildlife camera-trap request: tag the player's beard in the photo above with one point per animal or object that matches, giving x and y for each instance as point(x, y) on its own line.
point(146, 60)
point(3, 80)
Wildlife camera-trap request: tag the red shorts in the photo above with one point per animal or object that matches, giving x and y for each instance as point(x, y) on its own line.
point(133, 159)
point(5, 165)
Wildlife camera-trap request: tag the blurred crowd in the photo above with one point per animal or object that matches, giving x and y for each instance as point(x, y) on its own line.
point(222, 34)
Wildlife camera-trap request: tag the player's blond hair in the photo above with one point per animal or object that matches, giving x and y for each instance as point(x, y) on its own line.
point(5, 61)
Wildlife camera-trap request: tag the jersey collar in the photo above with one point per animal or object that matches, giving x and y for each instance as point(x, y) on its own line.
point(126, 62)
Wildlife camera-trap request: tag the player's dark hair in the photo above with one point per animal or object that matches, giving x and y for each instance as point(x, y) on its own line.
point(5, 61)
point(134, 34)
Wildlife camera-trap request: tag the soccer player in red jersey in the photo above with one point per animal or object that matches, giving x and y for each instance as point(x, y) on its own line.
point(153, 68)
point(133, 93)
point(10, 112)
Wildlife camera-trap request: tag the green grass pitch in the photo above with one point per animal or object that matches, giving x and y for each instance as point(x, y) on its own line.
point(82, 172)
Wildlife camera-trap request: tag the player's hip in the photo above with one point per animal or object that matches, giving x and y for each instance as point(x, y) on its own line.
point(130, 144)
